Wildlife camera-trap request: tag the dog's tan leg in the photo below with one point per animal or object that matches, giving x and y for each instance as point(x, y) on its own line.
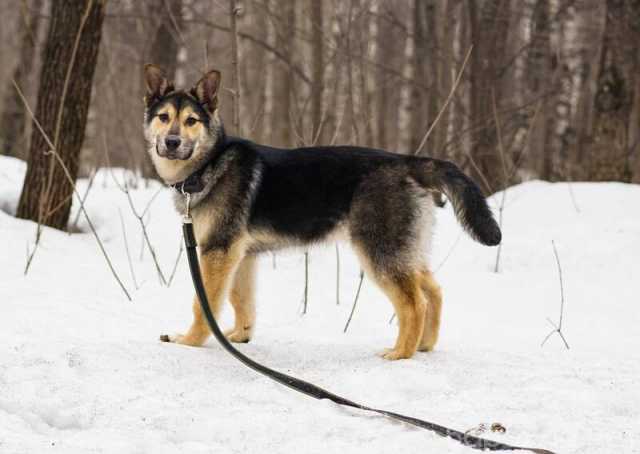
point(433, 294)
point(217, 268)
point(410, 305)
point(243, 301)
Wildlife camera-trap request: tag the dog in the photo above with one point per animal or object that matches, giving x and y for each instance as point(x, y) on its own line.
point(248, 198)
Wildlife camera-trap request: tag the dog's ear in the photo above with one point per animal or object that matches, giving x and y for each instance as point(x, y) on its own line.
point(156, 83)
point(206, 90)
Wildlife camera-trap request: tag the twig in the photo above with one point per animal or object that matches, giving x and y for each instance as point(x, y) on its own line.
point(153, 197)
point(337, 275)
point(505, 183)
point(142, 243)
point(557, 328)
point(305, 298)
point(175, 265)
point(74, 224)
point(573, 197)
point(446, 103)
point(73, 185)
point(140, 217)
point(104, 252)
point(126, 248)
point(31, 254)
point(355, 301)
point(453, 246)
point(163, 280)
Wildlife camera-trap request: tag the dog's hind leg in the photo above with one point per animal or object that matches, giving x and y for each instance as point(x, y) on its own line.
point(410, 305)
point(217, 268)
point(404, 290)
point(243, 301)
point(433, 295)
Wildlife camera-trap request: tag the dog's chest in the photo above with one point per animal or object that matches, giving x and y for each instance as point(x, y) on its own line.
point(206, 222)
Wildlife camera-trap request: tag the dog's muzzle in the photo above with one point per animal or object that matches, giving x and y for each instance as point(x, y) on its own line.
point(173, 148)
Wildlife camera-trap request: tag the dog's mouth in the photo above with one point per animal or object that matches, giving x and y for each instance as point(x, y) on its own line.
point(179, 154)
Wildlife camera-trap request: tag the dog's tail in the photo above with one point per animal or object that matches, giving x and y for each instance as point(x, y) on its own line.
point(469, 204)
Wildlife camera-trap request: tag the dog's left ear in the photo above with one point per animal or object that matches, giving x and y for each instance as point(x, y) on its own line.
point(206, 90)
point(156, 83)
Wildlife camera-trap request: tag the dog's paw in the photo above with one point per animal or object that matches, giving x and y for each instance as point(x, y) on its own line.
point(392, 354)
point(241, 335)
point(173, 338)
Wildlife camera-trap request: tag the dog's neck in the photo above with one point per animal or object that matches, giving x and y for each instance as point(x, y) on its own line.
point(193, 183)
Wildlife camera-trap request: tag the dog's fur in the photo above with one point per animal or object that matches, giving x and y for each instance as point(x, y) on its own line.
point(255, 198)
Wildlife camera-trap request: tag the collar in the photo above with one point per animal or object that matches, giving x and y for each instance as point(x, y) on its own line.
point(193, 183)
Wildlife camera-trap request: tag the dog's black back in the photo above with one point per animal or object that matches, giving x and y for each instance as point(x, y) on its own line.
point(306, 192)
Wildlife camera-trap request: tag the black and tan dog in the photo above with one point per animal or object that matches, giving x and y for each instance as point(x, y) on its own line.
point(249, 198)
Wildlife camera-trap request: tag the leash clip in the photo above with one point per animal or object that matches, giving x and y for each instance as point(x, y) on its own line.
point(186, 219)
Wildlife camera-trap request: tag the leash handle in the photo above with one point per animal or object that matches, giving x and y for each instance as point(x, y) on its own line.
point(305, 387)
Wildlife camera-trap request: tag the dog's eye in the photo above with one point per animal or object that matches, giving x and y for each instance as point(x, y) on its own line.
point(163, 117)
point(190, 121)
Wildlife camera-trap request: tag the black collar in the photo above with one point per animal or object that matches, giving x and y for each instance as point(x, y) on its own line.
point(193, 183)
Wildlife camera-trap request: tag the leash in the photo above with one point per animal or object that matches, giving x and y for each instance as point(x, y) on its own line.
point(305, 387)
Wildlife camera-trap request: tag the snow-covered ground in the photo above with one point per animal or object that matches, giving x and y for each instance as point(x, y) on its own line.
point(82, 370)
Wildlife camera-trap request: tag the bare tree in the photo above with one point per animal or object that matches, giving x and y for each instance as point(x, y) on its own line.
point(68, 64)
point(165, 44)
point(489, 23)
point(13, 121)
point(614, 99)
point(317, 46)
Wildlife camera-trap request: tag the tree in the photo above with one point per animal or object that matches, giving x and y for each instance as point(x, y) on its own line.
point(167, 19)
point(613, 104)
point(13, 121)
point(539, 72)
point(489, 22)
point(317, 59)
point(68, 65)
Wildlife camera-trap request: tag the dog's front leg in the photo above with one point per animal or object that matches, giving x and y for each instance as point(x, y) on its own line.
point(217, 268)
point(242, 297)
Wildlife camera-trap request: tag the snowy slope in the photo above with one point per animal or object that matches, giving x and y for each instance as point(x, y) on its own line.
point(81, 369)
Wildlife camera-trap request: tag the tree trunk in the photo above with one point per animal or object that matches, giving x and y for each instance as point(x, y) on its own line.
point(13, 122)
point(317, 59)
point(283, 121)
point(382, 92)
point(420, 101)
point(619, 63)
point(164, 46)
point(47, 194)
point(406, 106)
point(489, 26)
point(235, 61)
point(540, 72)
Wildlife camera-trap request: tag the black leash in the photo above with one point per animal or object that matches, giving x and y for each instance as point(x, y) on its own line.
point(309, 388)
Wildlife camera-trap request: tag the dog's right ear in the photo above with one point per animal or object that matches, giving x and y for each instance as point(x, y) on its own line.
point(156, 82)
point(206, 90)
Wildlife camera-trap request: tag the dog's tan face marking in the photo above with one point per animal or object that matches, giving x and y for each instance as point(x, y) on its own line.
point(163, 121)
point(192, 128)
point(186, 124)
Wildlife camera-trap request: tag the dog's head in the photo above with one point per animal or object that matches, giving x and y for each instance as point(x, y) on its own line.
point(181, 127)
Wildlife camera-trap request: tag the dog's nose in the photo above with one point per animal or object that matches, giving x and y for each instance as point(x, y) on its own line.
point(172, 143)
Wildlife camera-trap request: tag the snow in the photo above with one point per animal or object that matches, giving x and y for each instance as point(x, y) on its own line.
point(82, 370)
